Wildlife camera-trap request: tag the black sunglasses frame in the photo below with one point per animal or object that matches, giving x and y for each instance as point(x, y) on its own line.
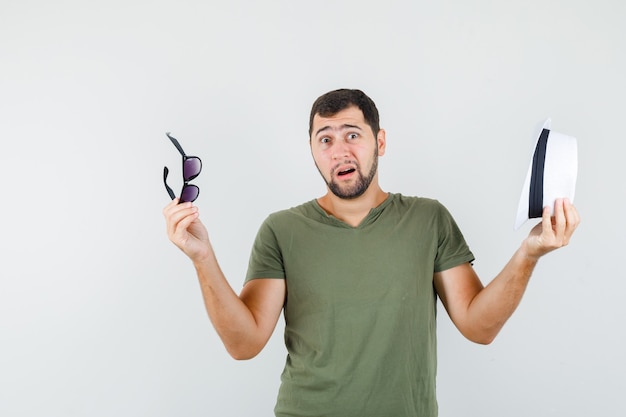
point(194, 189)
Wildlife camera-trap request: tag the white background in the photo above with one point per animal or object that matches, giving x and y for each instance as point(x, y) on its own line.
point(100, 315)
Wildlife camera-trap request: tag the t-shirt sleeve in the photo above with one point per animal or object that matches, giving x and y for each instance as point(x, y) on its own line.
point(452, 249)
point(266, 260)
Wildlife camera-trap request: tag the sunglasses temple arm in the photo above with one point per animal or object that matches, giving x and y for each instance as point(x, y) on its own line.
point(175, 142)
point(167, 187)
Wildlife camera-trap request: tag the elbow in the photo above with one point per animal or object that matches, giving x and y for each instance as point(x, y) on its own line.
point(482, 340)
point(241, 356)
point(481, 337)
point(242, 353)
point(483, 332)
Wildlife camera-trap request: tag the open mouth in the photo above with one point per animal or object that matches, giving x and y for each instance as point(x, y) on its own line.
point(346, 172)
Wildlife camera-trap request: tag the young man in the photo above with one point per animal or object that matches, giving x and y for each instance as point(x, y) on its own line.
point(357, 273)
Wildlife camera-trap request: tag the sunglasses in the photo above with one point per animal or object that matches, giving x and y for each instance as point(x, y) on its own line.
point(192, 165)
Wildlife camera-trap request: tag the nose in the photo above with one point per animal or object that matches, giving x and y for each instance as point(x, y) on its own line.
point(340, 150)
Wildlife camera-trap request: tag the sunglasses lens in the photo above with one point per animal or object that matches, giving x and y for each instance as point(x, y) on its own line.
point(191, 168)
point(189, 193)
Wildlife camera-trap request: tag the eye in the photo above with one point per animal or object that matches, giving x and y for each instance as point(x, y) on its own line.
point(353, 136)
point(325, 139)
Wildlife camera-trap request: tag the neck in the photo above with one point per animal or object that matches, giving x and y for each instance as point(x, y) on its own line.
point(353, 211)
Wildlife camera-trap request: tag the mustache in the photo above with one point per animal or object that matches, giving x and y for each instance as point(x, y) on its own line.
point(342, 165)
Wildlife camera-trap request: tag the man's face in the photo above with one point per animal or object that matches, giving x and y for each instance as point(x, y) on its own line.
point(346, 152)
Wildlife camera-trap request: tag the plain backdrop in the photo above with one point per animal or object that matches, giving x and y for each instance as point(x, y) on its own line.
point(100, 315)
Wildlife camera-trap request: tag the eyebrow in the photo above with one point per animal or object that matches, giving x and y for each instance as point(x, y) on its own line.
point(342, 127)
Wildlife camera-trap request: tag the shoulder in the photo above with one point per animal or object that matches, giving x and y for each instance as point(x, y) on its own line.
point(427, 212)
point(405, 202)
point(288, 218)
point(306, 209)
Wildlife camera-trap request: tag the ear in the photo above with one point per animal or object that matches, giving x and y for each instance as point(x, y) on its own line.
point(381, 141)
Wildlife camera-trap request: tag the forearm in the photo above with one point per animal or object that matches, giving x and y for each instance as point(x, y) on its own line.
point(480, 312)
point(232, 319)
point(244, 322)
point(494, 305)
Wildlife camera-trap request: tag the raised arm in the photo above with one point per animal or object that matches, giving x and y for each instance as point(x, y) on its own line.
point(480, 312)
point(245, 322)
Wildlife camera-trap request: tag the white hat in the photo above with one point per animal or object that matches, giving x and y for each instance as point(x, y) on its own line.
point(551, 175)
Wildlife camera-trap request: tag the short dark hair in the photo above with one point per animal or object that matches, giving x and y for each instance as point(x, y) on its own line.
point(335, 101)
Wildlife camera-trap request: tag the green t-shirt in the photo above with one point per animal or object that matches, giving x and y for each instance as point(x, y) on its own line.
point(360, 311)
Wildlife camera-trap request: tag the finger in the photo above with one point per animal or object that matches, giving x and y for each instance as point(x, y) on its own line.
point(173, 208)
point(170, 211)
point(546, 222)
point(559, 219)
point(175, 215)
point(180, 214)
point(182, 228)
point(170, 206)
point(572, 217)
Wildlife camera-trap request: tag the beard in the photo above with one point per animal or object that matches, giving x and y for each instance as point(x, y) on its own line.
point(359, 187)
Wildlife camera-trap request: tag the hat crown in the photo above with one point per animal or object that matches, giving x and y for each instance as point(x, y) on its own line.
point(552, 173)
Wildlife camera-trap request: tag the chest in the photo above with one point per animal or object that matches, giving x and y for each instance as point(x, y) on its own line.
point(359, 268)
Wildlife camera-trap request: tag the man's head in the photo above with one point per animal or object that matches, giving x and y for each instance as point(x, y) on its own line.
point(346, 142)
point(333, 102)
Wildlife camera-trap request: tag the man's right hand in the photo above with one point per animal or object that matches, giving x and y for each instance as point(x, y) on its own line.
point(186, 231)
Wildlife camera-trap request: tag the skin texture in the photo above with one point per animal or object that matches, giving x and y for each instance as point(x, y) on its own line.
point(345, 144)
